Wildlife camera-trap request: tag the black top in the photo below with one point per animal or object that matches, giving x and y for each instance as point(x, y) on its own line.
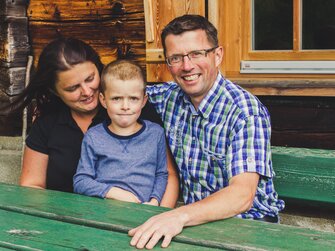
point(58, 136)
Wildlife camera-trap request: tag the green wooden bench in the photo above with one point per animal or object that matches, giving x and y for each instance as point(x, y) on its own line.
point(306, 175)
point(53, 212)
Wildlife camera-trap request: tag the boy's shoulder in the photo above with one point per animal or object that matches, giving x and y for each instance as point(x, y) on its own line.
point(152, 126)
point(96, 129)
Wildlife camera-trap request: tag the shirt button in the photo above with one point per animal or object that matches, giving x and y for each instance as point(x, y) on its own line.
point(190, 159)
point(203, 194)
point(250, 159)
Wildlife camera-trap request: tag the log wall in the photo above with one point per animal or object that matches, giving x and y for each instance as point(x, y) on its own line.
point(14, 50)
point(108, 26)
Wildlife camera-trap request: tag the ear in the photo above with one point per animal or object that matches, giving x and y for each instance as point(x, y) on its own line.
point(145, 99)
point(102, 100)
point(218, 56)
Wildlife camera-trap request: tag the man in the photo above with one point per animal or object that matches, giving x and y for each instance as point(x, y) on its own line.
point(218, 133)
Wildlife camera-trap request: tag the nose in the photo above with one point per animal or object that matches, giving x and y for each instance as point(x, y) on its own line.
point(125, 104)
point(86, 90)
point(187, 63)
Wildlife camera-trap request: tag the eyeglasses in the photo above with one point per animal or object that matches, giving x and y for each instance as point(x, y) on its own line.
point(194, 56)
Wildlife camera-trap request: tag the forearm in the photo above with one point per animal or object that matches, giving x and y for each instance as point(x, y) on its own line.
point(88, 186)
point(171, 194)
point(117, 193)
point(228, 202)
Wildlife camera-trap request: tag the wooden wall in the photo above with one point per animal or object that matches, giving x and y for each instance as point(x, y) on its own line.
point(109, 26)
point(14, 49)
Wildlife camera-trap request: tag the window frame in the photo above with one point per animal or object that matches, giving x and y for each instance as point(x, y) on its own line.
point(295, 54)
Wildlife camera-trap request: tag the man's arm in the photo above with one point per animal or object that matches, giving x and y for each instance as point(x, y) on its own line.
point(228, 202)
point(172, 188)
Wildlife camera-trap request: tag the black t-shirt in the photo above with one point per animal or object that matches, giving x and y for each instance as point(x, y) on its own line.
point(58, 136)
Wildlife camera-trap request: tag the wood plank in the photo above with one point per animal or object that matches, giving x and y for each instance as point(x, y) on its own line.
point(66, 10)
point(305, 174)
point(12, 80)
point(107, 37)
point(109, 26)
point(300, 138)
point(275, 85)
point(25, 232)
point(14, 43)
point(15, 8)
point(231, 234)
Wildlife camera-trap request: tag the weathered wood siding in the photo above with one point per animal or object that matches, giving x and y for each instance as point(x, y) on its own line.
point(302, 121)
point(14, 47)
point(14, 50)
point(109, 26)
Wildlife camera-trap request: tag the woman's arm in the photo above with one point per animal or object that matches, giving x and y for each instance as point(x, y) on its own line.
point(172, 188)
point(34, 169)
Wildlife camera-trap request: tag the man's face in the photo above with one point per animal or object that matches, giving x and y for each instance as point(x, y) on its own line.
point(195, 77)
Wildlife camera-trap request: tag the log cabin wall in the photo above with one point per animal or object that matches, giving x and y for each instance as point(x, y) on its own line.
point(108, 26)
point(112, 26)
point(14, 50)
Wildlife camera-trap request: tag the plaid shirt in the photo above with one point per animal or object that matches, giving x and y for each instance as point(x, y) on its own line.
point(228, 135)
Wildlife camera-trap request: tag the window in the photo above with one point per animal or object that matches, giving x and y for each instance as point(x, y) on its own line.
point(289, 30)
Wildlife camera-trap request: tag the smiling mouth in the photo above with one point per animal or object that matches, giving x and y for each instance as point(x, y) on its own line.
point(87, 100)
point(191, 77)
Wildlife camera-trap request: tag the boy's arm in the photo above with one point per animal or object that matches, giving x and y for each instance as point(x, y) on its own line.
point(84, 180)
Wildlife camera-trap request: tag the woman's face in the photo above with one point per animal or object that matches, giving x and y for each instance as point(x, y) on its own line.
point(78, 87)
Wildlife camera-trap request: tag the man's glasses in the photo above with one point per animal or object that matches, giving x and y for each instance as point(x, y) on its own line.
point(194, 56)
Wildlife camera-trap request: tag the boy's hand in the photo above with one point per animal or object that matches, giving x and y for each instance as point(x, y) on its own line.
point(152, 202)
point(117, 193)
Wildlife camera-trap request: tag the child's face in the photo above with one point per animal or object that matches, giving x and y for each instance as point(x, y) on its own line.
point(124, 100)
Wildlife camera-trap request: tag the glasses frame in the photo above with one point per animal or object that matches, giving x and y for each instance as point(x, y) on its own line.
point(206, 51)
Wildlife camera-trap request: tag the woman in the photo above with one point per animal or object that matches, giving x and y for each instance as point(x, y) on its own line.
point(65, 89)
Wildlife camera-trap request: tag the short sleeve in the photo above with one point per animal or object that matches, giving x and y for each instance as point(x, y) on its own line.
point(250, 149)
point(38, 135)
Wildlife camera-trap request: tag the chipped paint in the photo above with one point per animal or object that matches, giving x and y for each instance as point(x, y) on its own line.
point(23, 232)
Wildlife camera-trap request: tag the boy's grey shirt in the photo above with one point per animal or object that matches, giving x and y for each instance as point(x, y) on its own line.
point(136, 163)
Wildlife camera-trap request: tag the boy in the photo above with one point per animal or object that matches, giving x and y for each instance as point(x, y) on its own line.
point(123, 158)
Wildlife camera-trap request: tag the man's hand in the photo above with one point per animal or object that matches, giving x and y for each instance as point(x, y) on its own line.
point(166, 225)
point(117, 193)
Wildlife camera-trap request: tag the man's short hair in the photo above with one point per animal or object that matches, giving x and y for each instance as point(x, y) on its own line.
point(185, 23)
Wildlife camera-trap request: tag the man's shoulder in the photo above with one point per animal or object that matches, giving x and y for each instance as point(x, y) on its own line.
point(247, 103)
point(162, 87)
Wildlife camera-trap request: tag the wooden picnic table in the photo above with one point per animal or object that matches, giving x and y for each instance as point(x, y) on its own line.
point(34, 219)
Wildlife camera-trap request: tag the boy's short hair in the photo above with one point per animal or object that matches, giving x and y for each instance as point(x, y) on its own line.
point(123, 70)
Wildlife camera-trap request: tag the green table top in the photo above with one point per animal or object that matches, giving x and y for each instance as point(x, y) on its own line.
point(83, 216)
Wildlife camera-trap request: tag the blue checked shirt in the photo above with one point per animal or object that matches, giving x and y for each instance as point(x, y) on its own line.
point(228, 135)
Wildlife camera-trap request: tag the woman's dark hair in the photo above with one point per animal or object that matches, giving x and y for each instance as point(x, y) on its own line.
point(185, 23)
point(59, 55)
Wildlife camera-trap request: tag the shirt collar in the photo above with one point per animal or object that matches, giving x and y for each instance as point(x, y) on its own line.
point(207, 104)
